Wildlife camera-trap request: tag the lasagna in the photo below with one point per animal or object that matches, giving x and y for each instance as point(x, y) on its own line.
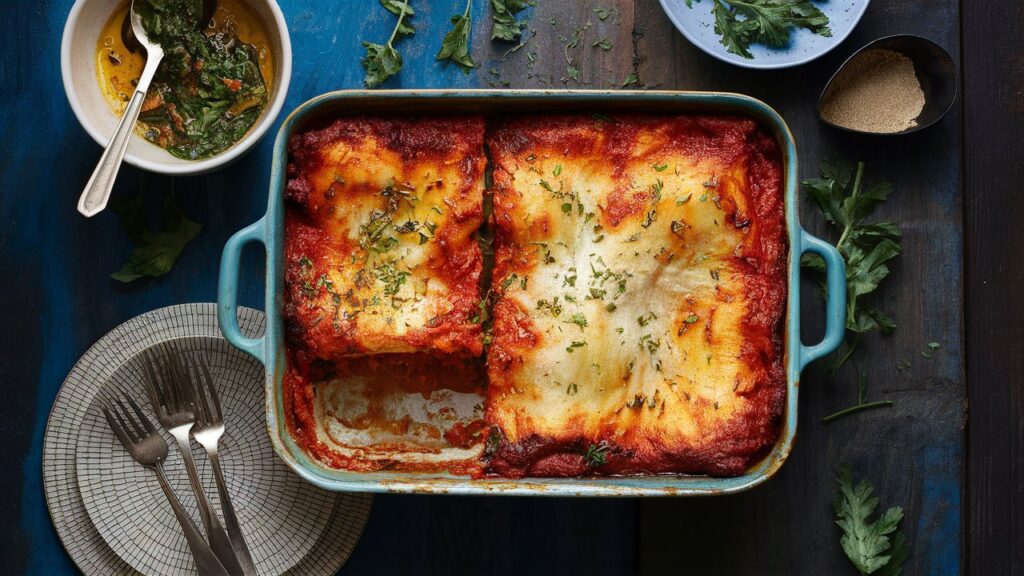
point(380, 250)
point(627, 318)
point(640, 267)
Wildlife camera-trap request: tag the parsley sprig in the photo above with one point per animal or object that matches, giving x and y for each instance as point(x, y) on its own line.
point(455, 45)
point(866, 247)
point(505, 26)
point(741, 23)
point(155, 252)
point(382, 61)
point(868, 544)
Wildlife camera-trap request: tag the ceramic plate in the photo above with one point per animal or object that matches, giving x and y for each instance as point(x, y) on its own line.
point(291, 526)
point(698, 25)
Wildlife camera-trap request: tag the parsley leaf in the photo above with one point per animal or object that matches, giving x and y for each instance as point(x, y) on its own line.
point(455, 45)
point(867, 544)
point(382, 61)
point(505, 26)
point(866, 247)
point(846, 202)
point(741, 23)
point(154, 254)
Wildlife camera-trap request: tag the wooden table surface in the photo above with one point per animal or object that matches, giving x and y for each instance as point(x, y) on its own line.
point(963, 493)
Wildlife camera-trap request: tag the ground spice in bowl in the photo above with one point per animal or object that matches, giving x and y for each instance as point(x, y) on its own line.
point(877, 91)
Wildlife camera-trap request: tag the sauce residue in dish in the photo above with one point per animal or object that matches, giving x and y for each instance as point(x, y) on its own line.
point(211, 87)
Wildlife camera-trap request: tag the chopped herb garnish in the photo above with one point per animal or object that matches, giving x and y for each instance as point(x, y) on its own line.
point(645, 319)
point(552, 307)
point(557, 170)
point(596, 455)
point(691, 319)
point(630, 80)
point(578, 319)
point(684, 199)
point(660, 167)
point(603, 44)
point(574, 345)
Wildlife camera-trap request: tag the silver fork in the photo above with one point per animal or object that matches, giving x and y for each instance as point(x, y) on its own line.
point(208, 429)
point(171, 395)
point(146, 447)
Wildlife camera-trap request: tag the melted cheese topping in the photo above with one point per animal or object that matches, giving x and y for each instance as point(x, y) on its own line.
point(628, 258)
point(380, 250)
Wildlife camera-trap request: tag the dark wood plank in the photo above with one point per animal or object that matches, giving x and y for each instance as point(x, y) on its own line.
point(913, 452)
point(993, 83)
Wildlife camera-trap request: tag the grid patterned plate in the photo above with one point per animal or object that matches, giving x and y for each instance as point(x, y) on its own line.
point(290, 526)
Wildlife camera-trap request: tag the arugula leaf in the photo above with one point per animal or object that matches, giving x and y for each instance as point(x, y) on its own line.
point(154, 254)
point(741, 23)
point(505, 26)
point(867, 544)
point(382, 61)
point(455, 45)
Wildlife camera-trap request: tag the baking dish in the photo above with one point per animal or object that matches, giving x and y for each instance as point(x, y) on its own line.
point(269, 231)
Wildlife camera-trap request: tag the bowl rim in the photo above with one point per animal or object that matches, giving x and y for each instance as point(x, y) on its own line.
point(255, 134)
point(753, 64)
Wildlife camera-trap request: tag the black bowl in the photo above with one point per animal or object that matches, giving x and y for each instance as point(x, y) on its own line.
point(935, 71)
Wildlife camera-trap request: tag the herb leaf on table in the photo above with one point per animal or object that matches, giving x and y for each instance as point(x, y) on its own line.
point(741, 23)
point(868, 544)
point(455, 45)
point(154, 253)
point(505, 26)
point(382, 61)
point(866, 247)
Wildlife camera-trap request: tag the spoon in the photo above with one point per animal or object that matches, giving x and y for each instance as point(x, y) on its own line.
point(935, 71)
point(97, 191)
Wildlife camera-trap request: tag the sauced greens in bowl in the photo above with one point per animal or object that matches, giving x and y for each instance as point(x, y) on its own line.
point(212, 85)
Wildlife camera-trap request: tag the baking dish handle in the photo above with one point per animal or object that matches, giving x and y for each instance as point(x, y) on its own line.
point(227, 292)
point(835, 300)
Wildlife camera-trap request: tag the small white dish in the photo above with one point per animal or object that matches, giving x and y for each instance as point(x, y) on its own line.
point(78, 70)
point(697, 24)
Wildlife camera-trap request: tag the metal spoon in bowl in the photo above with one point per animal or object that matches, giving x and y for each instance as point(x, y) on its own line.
point(97, 191)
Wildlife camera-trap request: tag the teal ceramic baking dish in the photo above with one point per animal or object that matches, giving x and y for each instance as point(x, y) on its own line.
point(269, 231)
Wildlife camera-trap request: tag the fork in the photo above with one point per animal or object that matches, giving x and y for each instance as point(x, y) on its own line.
point(208, 429)
point(171, 396)
point(139, 438)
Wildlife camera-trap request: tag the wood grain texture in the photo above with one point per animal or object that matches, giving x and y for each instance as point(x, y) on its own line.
point(57, 299)
point(912, 452)
point(993, 89)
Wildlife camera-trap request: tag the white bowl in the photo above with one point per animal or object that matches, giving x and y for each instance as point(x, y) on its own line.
point(78, 69)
